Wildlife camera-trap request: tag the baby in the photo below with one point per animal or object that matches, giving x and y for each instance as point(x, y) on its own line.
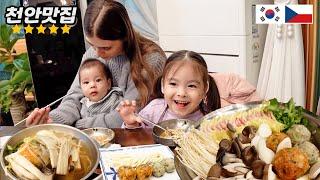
point(96, 84)
point(100, 97)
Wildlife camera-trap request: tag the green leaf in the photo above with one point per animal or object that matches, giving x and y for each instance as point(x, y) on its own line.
point(274, 104)
point(291, 105)
point(20, 76)
point(21, 62)
point(7, 66)
point(23, 56)
point(6, 36)
point(12, 42)
point(28, 78)
point(19, 68)
point(13, 149)
point(18, 63)
point(286, 113)
point(6, 89)
point(4, 83)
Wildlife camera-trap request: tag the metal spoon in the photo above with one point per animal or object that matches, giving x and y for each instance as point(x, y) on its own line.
point(148, 121)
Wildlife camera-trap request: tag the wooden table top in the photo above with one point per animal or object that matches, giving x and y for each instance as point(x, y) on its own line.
point(124, 137)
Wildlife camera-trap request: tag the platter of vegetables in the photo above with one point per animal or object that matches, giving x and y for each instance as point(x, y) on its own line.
point(258, 140)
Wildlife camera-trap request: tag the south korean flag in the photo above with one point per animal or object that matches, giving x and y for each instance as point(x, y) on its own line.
point(270, 14)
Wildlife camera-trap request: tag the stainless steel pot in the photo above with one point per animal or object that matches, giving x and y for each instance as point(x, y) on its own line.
point(31, 131)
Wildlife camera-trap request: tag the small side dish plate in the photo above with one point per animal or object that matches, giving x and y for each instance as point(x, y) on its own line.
point(109, 164)
point(102, 136)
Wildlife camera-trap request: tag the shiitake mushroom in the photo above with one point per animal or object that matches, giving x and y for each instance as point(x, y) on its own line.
point(215, 171)
point(249, 131)
point(235, 148)
point(257, 168)
point(249, 155)
point(226, 144)
point(221, 152)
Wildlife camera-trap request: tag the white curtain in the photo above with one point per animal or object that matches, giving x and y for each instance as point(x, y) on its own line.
point(282, 73)
point(143, 16)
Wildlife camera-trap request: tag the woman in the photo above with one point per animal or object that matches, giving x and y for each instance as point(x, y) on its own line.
point(134, 61)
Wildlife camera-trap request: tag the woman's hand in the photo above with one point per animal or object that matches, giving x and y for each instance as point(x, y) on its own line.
point(38, 116)
point(127, 110)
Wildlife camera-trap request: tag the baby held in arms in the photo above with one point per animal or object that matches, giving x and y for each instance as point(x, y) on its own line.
point(185, 90)
point(97, 87)
point(100, 96)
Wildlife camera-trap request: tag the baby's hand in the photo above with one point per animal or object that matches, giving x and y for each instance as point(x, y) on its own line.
point(127, 110)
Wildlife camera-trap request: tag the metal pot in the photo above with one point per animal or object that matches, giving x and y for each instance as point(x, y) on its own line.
point(93, 151)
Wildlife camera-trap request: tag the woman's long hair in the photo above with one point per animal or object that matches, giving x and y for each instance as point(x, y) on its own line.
point(109, 20)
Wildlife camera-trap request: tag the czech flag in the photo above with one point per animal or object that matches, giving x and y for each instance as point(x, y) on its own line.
point(301, 14)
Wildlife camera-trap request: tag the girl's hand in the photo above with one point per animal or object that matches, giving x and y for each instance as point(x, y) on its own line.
point(38, 116)
point(126, 110)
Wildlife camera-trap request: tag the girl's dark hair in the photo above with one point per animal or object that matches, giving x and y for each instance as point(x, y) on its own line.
point(96, 63)
point(212, 100)
point(109, 20)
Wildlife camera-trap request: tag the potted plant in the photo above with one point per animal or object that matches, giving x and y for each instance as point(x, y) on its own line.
point(19, 78)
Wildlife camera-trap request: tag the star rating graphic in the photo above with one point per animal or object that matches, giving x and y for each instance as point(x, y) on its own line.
point(41, 29)
point(65, 29)
point(16, 28)
point(53, 29)
point(28, 29)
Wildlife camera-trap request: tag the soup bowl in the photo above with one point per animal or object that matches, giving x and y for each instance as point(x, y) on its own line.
point(182, 124)
point(90, 146)
point(102, 136)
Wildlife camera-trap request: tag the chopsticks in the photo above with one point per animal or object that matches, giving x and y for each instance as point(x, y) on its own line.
point(148, 121)
point(52, 103)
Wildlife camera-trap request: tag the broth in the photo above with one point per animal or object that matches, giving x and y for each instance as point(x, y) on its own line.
point(76, 174)
point(85, 156)
point(172, 133)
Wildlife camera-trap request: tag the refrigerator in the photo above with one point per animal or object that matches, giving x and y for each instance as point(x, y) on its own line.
point(223, 32)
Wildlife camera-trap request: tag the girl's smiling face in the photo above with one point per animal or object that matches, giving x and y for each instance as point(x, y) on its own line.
point(183, 89)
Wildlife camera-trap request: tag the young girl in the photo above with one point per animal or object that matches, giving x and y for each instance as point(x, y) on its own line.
point(185, 90)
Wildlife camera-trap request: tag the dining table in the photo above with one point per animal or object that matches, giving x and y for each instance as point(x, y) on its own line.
point(124, 137)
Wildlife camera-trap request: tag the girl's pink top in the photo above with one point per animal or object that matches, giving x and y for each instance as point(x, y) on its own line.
point(157, 111)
